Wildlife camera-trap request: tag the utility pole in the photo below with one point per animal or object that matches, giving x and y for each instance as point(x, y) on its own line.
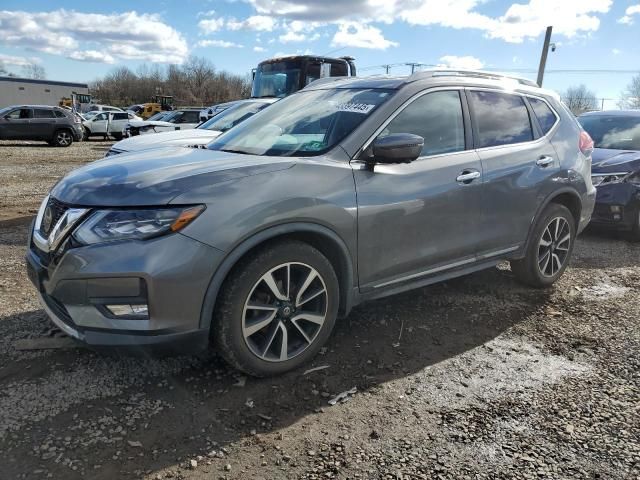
point(543, 57)
point(413, 66)
point(386, 68)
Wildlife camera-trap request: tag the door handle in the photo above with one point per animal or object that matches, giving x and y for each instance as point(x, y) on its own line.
point(544, 161)
point(467, 176)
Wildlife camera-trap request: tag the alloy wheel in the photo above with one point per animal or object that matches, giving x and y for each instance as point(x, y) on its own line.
point(553, 248)
point(63, 138)
point(284, 312)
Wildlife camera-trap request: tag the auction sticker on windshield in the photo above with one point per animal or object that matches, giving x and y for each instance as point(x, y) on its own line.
point(355, 107)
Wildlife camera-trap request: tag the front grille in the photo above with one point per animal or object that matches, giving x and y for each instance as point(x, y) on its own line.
point(57, 209)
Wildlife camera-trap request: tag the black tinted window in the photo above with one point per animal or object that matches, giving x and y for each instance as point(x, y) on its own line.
point(501, 119)
point(60, 114)
point(436, 117)
point(190, 117)
point(544, 114)
point(43, 113)
point(120, 116)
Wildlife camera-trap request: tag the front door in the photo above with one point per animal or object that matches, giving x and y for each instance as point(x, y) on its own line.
point(99, 123)
point(16, 124)
point(420, 218)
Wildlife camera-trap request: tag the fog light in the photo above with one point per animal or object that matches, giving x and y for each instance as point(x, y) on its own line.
point(138, 311)
point(616, 216)
point(615, 208)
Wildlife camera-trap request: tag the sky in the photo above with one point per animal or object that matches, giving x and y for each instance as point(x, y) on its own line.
point(596, 40)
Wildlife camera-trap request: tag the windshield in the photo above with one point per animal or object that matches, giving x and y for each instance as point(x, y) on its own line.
point(277, 79)
point(158, 116)
point(616, 132)
point(233, 116)
point(308, 123)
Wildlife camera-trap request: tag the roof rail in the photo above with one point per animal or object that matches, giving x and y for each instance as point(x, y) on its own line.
point(470, 73)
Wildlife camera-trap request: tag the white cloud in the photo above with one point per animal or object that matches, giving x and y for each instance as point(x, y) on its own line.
point(259, 49)
point(627, 19)
point(127, 35)
point(260, 23)
point(616, 51)
point(218, 43)
point(292, 36)
point(91, 56)
point(359, 35)
point(466, 62)
point(18, 61)
point(519, 21)
point(211, 25)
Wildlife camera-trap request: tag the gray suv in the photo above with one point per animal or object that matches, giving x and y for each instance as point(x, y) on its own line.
point(349, 190)
point(56, 126)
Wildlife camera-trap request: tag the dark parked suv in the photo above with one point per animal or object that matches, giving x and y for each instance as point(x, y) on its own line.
point(349, 190)
point(57, 126)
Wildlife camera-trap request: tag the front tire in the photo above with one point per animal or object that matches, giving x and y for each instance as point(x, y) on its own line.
point(62, 138)
point(549, 248)
point(276, 309)
point(86, 133)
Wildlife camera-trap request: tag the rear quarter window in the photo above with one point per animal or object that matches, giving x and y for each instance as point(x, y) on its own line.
point(546, 117)
point(500, 118)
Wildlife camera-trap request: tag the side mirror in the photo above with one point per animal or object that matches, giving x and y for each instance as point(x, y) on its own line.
point(397, 148)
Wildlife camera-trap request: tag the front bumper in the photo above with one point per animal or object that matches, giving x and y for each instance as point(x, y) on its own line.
point(170, 274)
point(617, 206)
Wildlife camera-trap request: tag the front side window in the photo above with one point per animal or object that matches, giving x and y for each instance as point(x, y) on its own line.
point(617, 132)
point(233, 116)
point(546, 117)
point(501, 119)
point(43, 113)
point(436, 117)
point(20, 113)
point(308, 123)
point(99, 117)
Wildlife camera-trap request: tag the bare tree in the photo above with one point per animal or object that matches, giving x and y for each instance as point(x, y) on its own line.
point(630, 97)
point(580, 99)
point(33, 70)
point(195, 83)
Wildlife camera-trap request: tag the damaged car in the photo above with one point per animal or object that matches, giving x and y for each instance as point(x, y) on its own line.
point(616, 168)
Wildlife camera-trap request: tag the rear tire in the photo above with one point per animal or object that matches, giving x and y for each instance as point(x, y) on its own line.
point(62, 138)
point(117, 136)
point(276, 309)
point(549, 248)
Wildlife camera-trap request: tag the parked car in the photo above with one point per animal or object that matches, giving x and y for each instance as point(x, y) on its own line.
point(345, 191)
point(213, 110)
point(183, 119)
point(103, 108)
point(199, 136)
point(111, 123)
point(54, 125)
point(616, 168)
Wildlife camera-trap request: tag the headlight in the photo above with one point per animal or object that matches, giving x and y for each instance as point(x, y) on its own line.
point(141, 224)
point(608, 178)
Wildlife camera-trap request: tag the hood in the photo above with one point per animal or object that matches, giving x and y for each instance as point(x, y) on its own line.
point(605, 160)
point(198, 136)
point(156, 176)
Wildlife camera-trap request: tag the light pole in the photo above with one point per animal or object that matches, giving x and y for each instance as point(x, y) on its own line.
point(545, 52)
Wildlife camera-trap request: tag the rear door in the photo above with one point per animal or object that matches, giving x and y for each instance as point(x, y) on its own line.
point(417, 219)
point(43, 123)
point(517, 161)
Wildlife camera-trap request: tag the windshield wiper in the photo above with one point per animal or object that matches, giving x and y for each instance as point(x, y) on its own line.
point(231, 150)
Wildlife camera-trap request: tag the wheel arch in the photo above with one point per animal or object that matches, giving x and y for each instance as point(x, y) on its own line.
point(320, 237)
point(568, 197)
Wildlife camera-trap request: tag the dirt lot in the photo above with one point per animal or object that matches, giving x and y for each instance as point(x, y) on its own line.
point(476, 378)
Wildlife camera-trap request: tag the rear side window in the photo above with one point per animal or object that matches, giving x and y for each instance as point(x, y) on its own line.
point(120, 116)
point(501, 119)
point(43, 113)
point(544, 114)
point(60, 114)
point(436, 117)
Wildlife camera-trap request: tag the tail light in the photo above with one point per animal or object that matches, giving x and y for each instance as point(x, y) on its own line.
point(585, 144)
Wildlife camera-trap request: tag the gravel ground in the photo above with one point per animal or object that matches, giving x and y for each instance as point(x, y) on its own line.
point(475, 378)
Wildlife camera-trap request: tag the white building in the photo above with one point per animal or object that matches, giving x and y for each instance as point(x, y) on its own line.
point(28, 91)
